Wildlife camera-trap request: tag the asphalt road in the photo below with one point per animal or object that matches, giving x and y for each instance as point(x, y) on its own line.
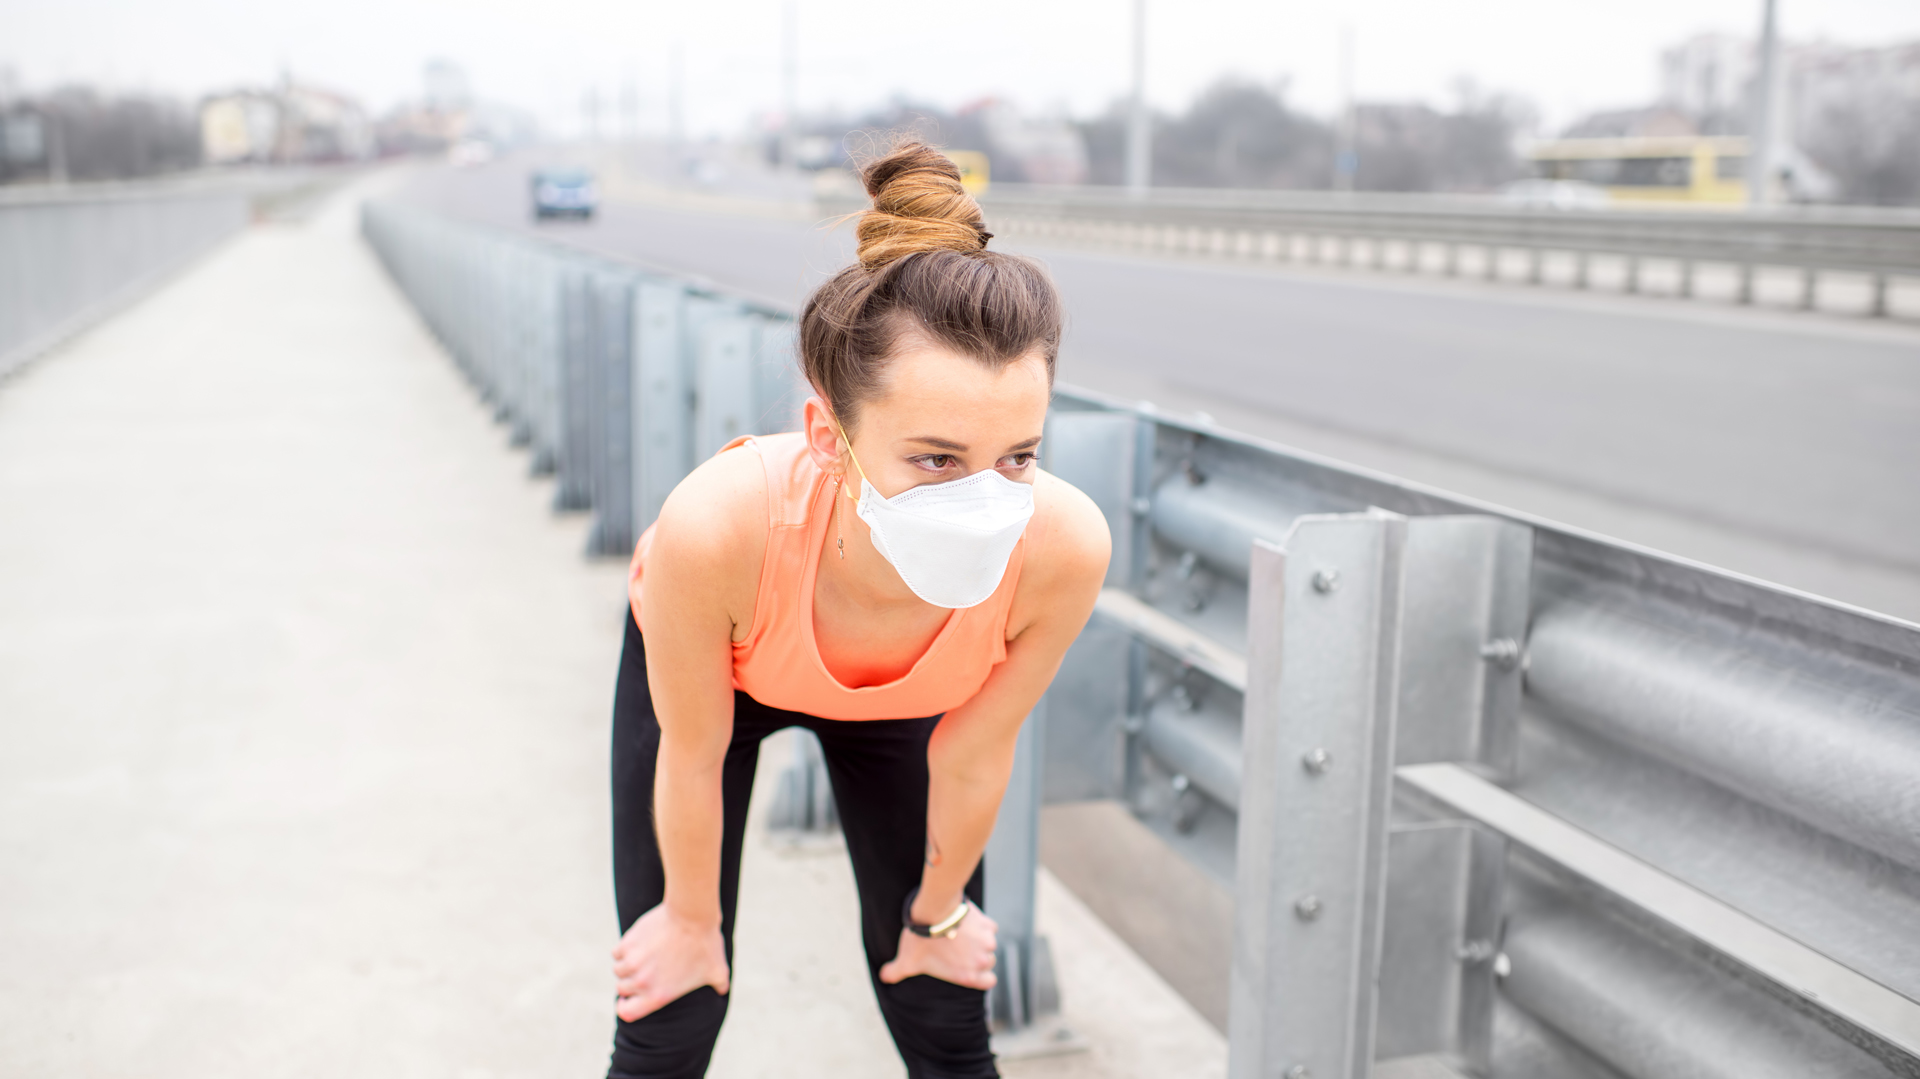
point(1798, 433)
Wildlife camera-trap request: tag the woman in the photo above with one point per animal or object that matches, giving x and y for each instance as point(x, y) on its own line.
point(901, 578)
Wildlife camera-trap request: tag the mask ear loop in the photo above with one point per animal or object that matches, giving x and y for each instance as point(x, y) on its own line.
point(839, 507)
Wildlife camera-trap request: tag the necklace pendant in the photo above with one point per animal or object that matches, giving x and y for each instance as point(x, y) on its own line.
point(841, 546)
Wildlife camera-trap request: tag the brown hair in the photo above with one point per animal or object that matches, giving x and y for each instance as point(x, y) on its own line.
point(923, 268)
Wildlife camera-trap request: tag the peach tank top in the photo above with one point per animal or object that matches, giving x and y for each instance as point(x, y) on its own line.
point(778, 663)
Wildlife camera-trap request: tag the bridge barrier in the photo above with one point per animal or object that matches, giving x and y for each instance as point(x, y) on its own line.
point(69, 255)
point(1495, 797)
point(1436, 232)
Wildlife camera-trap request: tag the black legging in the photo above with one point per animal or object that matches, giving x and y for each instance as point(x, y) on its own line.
point(879, 774)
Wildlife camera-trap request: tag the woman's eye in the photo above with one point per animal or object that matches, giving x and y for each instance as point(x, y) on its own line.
point(1019, 460)
point(937, 461)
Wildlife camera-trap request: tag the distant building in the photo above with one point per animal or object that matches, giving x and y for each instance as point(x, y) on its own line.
point(294, 124)
point(1037, 150)
point(318, 125)
point(445, 114)
point(239, 128)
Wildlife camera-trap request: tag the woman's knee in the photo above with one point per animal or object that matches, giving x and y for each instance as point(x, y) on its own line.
point(940, 1028)
point(675, 1042)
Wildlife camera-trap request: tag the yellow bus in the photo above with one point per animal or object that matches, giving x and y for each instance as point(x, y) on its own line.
point(1677, 168)
point(975, 174)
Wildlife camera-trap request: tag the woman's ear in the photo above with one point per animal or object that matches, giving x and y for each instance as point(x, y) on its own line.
point(823, 438)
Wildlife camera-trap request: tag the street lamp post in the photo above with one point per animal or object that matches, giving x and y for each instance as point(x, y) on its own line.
point(1763, 164)
point(1139, 131)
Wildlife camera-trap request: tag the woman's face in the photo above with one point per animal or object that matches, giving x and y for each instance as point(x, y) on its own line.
point(943, 416)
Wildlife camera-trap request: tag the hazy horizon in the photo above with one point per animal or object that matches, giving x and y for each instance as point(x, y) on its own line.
point(1069, 56)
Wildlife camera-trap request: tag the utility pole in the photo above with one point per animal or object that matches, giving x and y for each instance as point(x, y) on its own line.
point(790, 89)
point(1763, 151)
point(1346, 149)
point(676, 96)
point(1139, 129)
point(630, 107)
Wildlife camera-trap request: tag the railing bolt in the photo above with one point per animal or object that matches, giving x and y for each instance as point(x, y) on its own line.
point(1502, 652)
point(1298, 1071)
point(1326, 580)
point(1315, 761)
point(1307, 908)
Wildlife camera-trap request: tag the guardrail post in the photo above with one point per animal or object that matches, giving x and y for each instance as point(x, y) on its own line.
point(1879, 305)
point(1809, 289)
point(1027, 989)
point(1323, 634)
point(1745, 294)
point(661, 409)
point(571, 491)
point(612, 415)
point(1686, 279)
point(1633, 274)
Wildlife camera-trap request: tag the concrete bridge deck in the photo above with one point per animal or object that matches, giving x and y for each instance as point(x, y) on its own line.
point(304, 695)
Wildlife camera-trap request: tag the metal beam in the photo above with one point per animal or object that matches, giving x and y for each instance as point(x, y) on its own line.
point(1767, 952)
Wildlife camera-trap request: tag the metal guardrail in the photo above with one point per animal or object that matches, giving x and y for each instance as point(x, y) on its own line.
point(1351, 228)
point(617, 379)
point(70, 255)
point(1495, 797)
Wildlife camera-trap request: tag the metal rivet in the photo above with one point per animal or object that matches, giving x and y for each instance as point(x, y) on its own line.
point(1189, 561)
point(1326, 580)
point(1502, 652)
point(1142, 506)
point(1502, 966)
point(1307, 908)
point(1298, 1071)
point(1315, 761)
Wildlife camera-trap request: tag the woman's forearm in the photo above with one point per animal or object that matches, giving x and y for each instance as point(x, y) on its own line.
point(688, 816)
point(967, 776)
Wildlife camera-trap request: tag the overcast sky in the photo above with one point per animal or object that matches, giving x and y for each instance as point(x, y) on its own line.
point(1042, 54)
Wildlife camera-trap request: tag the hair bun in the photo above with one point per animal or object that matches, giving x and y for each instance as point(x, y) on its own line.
point(918, 205)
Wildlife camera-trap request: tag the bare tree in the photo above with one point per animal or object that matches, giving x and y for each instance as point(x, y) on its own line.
point(1871, 147)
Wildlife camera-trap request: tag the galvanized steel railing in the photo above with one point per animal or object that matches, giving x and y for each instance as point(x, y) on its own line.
point(1495, 797)
point(618, 380)
point(1415, 232)
point(69, 255)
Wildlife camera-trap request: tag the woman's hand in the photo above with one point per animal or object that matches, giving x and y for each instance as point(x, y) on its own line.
point(663, 958)
point(966, 958)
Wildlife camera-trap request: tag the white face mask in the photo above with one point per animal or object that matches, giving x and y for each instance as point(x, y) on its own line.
point(949, 541)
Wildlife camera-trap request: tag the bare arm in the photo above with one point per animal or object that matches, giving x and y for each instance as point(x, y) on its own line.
point(970, 756)
point(698, 587)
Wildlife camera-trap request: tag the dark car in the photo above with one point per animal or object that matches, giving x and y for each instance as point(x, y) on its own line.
point(563, 193)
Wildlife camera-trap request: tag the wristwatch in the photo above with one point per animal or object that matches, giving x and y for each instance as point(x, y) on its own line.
point(948, 927)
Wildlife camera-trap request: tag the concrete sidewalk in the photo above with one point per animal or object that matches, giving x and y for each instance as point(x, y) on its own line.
point(304, 695)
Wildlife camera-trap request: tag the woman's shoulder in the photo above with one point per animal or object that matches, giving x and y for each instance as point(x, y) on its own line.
point(718, 514)
point(1072, 542)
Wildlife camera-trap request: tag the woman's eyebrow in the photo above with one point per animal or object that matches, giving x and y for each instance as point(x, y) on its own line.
point(939, 443)
point(956, 447)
